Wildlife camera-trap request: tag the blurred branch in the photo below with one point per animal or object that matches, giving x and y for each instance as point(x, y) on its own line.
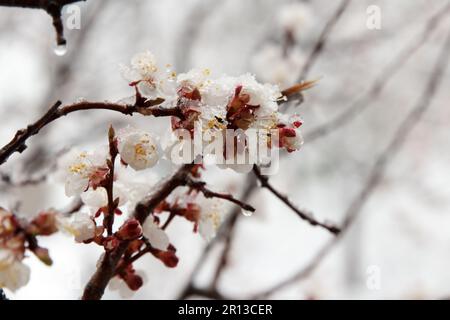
point(379, 168)
point(304, 215)
point(226, 231)
point(190, 31)
point(60, 82)
point(320, 44)
point(52, 7)
point(381, 81)
point(108, 262)
point(225, 234)
point(224, 257)
point(201, 187)
point(7, 180)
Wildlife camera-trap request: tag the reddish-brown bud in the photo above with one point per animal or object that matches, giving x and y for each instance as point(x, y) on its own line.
point(168, 257)
point(130, 230)
point(44, 224)
point(43, 255)
point(133, 281)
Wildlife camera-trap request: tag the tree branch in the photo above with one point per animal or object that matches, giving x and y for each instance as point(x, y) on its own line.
point(52, 7)
point(387, 73)
point(225, 233)
point(201, 187)
point(378, 170)
point(305, 216)
point(17, 144)
point(107, 265)
point(320, 44)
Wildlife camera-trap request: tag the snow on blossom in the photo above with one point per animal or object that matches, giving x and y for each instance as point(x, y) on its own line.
point(211, 213)
point(194, 79)
point(290, 136)
point(157, 237)
point(292, 141)
point(137, 148)
point(152, 79)
point(271, 64)
point(81, 170)
point(263, 95)
point(81, 225)
point(216, 104)
point(14, 274)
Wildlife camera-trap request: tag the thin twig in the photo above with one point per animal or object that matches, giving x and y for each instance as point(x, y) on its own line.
point(108, 221)
point(108, 262)
point(304, 215)
point(224, 233)
point(378, 170)
point(201, 186)
point(224, 257)
point(380, 82)
point(52, 7)
point(190, 31)
point(320, 44)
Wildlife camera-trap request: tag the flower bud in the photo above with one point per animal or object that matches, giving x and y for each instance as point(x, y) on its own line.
point(130, 230)
point(43, 255)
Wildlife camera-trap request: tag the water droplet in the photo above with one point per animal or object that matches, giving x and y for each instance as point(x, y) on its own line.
point(247, 213)
point(60, 50)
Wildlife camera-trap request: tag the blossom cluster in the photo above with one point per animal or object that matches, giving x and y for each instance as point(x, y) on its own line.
point(112, 180)
point(17, 236)
point(94, 176)
point(215, 104)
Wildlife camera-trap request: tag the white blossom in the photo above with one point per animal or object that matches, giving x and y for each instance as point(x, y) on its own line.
point(95, 198)
point(80, 168)
point(195, 79)
point(293, 143)
point(157, 237)
point(98, 198)
point(219, 91)
point(154, 80)
point(80, 225)
point(211, 212)
point(137, 148)
point(13, 273)
point(263, 95)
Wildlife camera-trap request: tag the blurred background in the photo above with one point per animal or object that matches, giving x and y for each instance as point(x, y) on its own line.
point(370, 78)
